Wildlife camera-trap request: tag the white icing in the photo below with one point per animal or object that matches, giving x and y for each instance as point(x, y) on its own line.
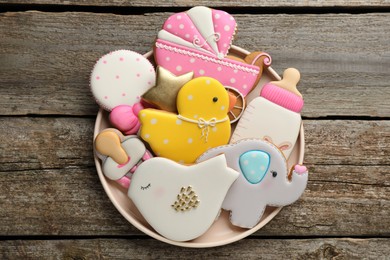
point(247, 201)
point(202, 18)
point(167, 36)
point(120, 78)
point(155, 187)
point(259, 120)
point(135, 149)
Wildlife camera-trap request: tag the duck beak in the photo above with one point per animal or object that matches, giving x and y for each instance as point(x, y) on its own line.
point(232, 100)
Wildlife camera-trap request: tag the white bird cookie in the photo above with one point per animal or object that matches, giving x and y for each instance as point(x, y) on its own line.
point(181, 202)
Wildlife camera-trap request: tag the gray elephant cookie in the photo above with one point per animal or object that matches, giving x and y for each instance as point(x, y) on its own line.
point(264, 180)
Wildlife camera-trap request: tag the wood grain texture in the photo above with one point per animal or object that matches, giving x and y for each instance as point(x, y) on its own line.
point(339, 248)
point(216, 3)
point(46, 58)
point(53, 143)
point(72, 201)
point(50, 185)
point(52, 204)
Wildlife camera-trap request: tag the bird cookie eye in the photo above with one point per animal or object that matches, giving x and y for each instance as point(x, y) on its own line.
point(215, 99)
point(146, 187)
point(274, 174)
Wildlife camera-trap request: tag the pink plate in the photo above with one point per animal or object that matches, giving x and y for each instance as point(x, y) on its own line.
point(221, 232)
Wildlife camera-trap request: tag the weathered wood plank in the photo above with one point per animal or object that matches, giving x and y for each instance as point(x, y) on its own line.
point(50, 185)
point(46, 58)
point(329, 248)
point(47, 143)
point(216, 3)
point(339, 201)
point(58, 202)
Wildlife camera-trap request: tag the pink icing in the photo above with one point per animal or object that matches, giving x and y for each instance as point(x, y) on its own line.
point(137, 107)
point(300, 169)
point(122, 165)
point(225, 26)
point(282, 97)
point(181, 25)
point(124, 182)
point(238, 75)
point(125, 118)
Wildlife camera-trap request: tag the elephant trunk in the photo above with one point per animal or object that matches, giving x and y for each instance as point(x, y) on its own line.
point(292, 189)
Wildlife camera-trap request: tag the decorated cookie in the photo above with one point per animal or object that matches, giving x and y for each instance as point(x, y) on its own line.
point(201, 122)
point(120, 78)
point(122, 154)
point(181, 202)
point(260, 59)
point(264, 180)
point(164, 94)
point(125, 118)
point(239, 104)
point(198, 40)
point(279, 99)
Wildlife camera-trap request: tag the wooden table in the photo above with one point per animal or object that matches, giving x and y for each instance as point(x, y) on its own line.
point(52, 204)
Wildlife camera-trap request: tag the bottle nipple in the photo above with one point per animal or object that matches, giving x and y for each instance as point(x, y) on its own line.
point(290, 80)
point(284, 92)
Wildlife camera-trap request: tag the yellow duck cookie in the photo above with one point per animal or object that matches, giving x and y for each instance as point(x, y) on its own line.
point(201, 123)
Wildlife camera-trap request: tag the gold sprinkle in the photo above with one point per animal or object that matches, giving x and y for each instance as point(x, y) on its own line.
point(186, 200)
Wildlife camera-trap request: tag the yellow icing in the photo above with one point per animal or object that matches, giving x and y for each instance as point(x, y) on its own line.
point(202, 122)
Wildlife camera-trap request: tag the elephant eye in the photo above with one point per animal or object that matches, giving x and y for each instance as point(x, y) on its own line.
point(274, 174)
point(146, 187)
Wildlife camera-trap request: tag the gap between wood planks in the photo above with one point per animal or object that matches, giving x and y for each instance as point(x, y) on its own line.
point(138, 10)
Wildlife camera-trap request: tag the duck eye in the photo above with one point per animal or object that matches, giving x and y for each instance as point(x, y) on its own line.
point(274, 174)
point(215, 99)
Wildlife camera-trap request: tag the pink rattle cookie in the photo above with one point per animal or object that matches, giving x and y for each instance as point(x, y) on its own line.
point(118, 81)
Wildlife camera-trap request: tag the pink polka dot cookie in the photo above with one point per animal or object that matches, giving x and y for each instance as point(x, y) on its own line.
point(121, 78)
point(198, 41)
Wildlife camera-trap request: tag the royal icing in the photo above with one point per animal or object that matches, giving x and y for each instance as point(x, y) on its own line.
point(181, 202)
point(258, 120)
point(122, 154)
point(125, 118)
point(201, 122)
point(254, 165)
point(198, 40)
point(164, 94)
point(135, 150)
point(238, 109)
point(121, 78)
point(200, 90)
point(264, 180)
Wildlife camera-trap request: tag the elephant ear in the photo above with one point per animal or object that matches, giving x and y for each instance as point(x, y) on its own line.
point(254, 165)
